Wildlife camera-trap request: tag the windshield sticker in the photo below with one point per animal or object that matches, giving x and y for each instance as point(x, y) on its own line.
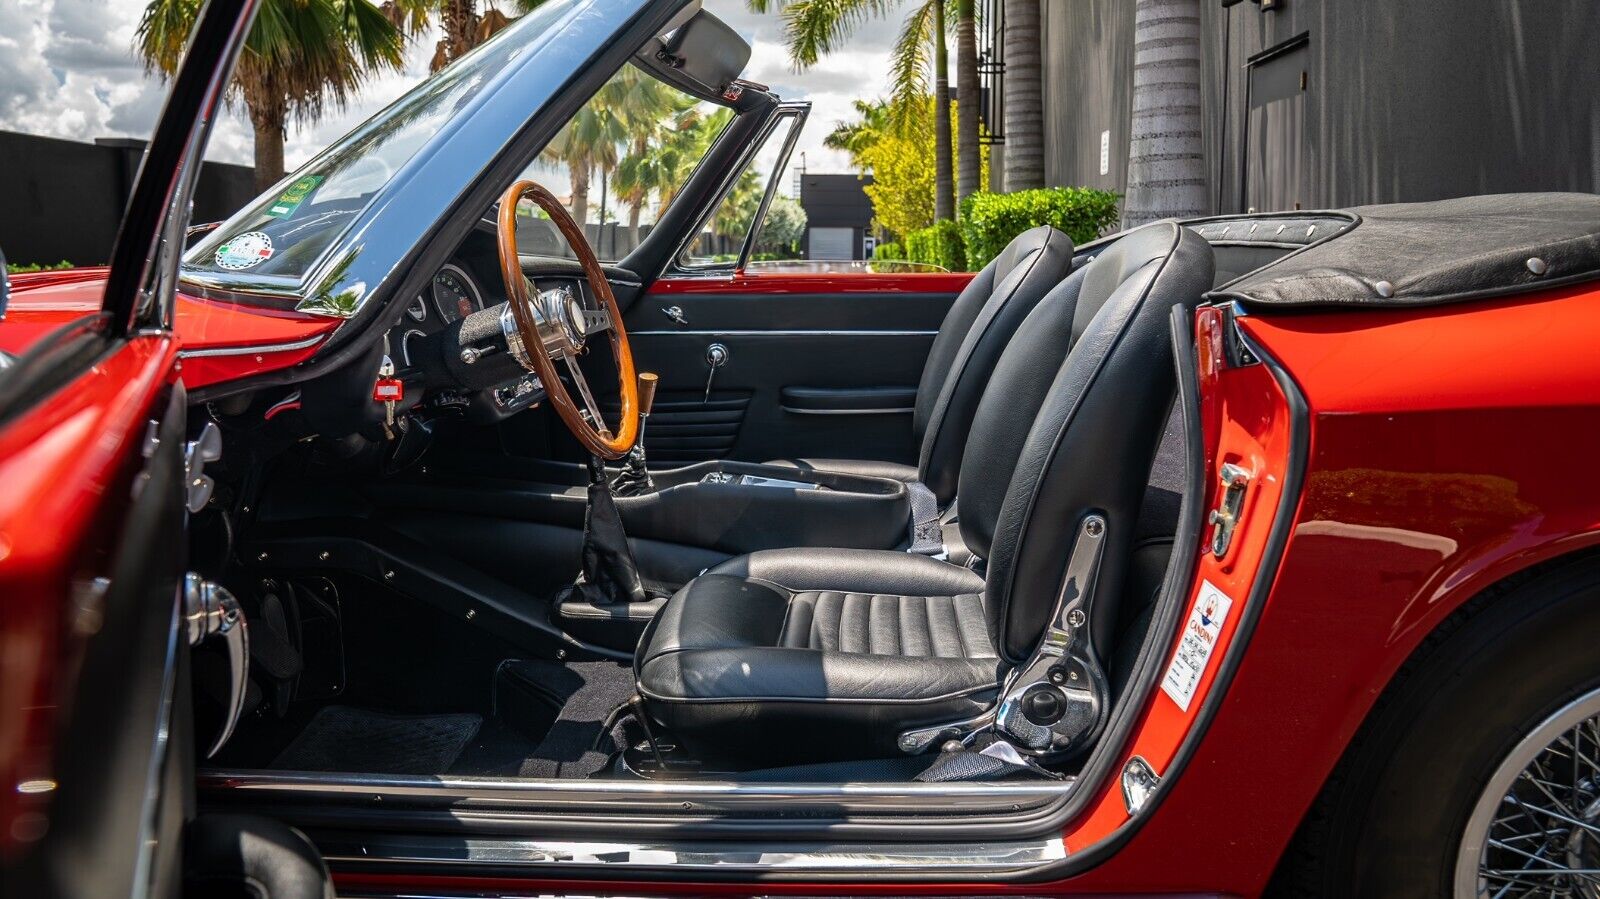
point(291, 199)
point(245, 250)
point(1199, 640)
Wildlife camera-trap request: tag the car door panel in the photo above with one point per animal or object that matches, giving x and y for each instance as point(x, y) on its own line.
point(815, 365)
point(93, 511)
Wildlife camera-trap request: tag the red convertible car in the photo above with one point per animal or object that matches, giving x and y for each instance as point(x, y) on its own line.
point(386, 539)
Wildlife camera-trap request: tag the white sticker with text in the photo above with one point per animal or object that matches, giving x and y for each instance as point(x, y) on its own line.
point(1194, 650)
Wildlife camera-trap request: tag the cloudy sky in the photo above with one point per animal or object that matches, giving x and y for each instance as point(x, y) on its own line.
point(67, 69)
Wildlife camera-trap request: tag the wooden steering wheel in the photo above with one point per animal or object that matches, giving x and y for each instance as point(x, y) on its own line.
point(553, 325)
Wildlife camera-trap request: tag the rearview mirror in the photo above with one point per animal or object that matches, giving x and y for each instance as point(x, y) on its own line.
point(702, 57)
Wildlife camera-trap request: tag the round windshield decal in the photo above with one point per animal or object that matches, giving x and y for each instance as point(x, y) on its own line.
point(244, 251)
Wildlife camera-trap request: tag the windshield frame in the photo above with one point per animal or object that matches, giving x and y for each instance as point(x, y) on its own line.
point(371, 251)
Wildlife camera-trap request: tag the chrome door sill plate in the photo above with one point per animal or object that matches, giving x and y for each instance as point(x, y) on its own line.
point(444, 851)
point(632, 797)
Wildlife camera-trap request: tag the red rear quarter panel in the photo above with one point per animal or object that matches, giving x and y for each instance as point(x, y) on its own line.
point(1450, 447)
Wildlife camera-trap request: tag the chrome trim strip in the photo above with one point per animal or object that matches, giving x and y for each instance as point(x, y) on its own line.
point(551, 856)
point(461, 794)
point(779, 332)
point(247, 350)
point(900, 410)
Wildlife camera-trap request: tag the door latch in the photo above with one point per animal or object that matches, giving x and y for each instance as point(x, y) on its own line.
point(1225, 516)
point(209, 610)
point(676, 314)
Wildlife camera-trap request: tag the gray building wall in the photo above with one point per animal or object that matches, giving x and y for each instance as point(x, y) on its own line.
point(63, 200)
point(836, 201)
point(1402, 100)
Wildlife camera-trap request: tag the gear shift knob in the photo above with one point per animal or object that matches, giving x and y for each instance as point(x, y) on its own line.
point(647, 391)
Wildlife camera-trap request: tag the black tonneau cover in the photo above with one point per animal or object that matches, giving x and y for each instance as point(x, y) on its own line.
point(1448, 251)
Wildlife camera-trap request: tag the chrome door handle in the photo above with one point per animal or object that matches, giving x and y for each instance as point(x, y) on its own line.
point(210, 610)
point(676, 314)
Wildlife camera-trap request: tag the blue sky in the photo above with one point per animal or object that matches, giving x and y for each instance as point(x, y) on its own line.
point(67, 69)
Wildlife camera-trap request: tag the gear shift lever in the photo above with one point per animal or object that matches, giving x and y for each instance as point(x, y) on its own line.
point(635, 477)
point(610, 574)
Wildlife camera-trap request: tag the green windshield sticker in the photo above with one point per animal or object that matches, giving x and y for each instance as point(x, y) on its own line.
point(294, 196)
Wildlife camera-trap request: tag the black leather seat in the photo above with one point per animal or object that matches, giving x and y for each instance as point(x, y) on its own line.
point(806, 655)
point(975, 331)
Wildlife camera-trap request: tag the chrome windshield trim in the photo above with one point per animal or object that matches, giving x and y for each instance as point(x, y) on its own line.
point(553, 856)
point(372, 250)
point(247, 350)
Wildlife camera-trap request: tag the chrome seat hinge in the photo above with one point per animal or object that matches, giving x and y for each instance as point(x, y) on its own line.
point(1058, 701)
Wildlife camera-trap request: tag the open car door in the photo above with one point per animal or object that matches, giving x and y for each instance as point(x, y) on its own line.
point(101, 469)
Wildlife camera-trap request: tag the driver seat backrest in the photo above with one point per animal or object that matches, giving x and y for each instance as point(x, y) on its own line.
point(1054, 439)
point(976, 330)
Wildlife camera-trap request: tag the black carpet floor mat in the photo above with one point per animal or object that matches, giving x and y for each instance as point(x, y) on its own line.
point(341, 738)
point(583, 696)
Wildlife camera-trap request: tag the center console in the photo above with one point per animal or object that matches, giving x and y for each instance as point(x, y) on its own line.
point(735, 508)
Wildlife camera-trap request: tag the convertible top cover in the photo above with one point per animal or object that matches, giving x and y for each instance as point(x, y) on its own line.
point(1449, 251)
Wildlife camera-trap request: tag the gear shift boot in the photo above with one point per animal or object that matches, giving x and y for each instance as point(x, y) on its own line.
point(610, 574)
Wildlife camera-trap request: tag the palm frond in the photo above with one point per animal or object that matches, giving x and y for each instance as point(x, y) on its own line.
point(816, 27)
point(913, 56)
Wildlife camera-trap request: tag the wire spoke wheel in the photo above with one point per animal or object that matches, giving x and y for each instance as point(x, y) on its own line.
point(1535, 830)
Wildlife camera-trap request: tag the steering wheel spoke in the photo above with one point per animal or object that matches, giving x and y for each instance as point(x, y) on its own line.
point(553, 326)
point(596, 321)
point(596, 420)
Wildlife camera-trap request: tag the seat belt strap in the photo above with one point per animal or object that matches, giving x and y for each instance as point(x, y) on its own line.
point(927, 532)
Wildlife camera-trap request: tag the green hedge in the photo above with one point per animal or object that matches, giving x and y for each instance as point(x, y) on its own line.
point(889, 250)
point(29, 268)
point(939, 244)
point(990, 221)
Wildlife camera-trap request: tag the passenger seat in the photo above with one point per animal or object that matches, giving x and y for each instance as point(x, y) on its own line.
point(976, 330)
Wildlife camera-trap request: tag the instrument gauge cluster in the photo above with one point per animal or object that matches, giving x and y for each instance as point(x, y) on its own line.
point(455, 295)
point(450, 295)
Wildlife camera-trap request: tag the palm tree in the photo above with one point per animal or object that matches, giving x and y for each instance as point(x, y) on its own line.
point(969, 160)
point(816, 27)
point(1024, 96)
point(653, 165)
point(1166, 173)
point(301, 56)
point(461, 26)
point(587, 141)
point(873, 120)
point(924, 29)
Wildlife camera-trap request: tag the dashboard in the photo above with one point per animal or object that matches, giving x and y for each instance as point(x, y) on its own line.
point(430, 358)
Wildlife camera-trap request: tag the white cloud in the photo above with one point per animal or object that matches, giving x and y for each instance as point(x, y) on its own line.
point(68, 69)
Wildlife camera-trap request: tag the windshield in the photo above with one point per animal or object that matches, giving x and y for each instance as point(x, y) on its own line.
point(620, 162)
point(286, 230)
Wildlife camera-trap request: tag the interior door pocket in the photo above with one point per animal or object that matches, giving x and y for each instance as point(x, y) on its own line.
point(685, 428)
point(848, 400)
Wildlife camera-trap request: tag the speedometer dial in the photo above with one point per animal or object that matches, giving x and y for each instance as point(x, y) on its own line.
point(454, 294)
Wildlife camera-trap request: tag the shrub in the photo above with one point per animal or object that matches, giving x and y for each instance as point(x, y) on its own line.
point(990, 221)
point(938, 244)
point(889, 250)
point(28, 268)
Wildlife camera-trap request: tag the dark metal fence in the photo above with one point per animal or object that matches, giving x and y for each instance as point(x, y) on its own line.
point(62, 200)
